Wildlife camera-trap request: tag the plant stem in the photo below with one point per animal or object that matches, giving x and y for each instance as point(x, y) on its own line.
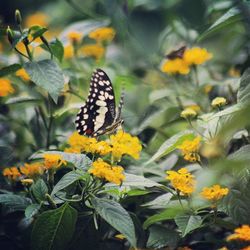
point(50, 122)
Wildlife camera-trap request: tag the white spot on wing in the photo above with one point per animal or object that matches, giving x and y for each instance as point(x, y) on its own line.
point(100, 103)
point(101, 83)
point(101, 97)
point(85, 116)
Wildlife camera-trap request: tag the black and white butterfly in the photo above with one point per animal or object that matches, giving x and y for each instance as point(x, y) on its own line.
point(99, 115)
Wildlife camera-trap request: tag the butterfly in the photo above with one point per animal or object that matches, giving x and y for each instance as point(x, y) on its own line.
point(176, 53)
point(99, 115)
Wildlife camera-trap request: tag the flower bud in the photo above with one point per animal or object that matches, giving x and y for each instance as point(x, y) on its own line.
point(18, 17)
point(10, 34)
point(188, 113)
point(218, 102)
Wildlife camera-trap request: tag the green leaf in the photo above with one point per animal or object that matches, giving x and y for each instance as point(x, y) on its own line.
point(37, 31)
point(39, 189)
point(48, 75)
point(242, 154)
point(230, 17)
point(171, 144)
point(32, 210)
point(113, 213)
point(160, 237)
point(243, 95)
point(137, 192)
point(159, 202)
point(188, 223)
point(10, 69)
point(57, 49)
point(12, 202)
point(168, 214)
point(18, 37)
point(80, 161)
point(132, 180)
point(66, 180)
point(21, 99)
point(54, 229)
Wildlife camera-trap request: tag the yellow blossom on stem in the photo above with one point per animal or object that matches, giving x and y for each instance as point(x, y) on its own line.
point(32, 170)
point(75, 37)
point(102, 34)
point(53, 161)
point(182, 181)
point(103, 170)
point(12, 173)
point(93, 50)
point(37, 18)
point(188, 113)
point(102, 148)
point(123, 143)
point(5, 87)
point(241, 233)
point(196, 56)
point(218, 102)
point(27, 182)
point(23, 74)
point(194, 107)
point(68, 51)
point(190, 149)
point(214, 193)
point(207, 88)
point(233, 72)
point(175, 66)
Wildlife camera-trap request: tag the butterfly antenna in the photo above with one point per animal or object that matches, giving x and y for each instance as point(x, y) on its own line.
point(119, 109)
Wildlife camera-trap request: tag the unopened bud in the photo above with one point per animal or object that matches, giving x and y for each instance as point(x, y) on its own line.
point(18, 17)
point(10, 34)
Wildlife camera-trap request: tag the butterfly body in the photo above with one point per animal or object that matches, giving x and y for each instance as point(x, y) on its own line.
point(99, 115)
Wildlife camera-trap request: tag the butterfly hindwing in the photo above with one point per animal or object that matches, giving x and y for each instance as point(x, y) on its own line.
point(99, 111)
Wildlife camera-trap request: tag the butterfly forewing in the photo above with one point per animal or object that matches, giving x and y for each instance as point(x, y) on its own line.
point(99, 109)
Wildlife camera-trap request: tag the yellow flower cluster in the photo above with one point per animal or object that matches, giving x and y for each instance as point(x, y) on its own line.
point(75, 37)
point(68, 51)
point(188, 113)
point(218, 102)
point(105, 171)
point(181, 65)
point(37, 18)
point(32, 170)
point(118, 145)
point(23, 74)
point(12, 173)
point(190, 149)
point(93, 50)
point(214, 193)
point(102, 34)
point(53, 161)
point(240, 233)
point(5, 87)
point(182, 181)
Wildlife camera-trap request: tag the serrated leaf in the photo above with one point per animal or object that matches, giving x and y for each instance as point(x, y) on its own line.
point(46, 74)
point(168, 214)
point(39, 189)
point(54, 229)
point(188, 223)
point(12, 202)
point(160, 237)
point(113, 213)
point(159, 202)
point(243, 95)
point(10, 69)
point(230, 17)
point(66, 180)
point(171, 144)
point(80, 161)
point(57, 49)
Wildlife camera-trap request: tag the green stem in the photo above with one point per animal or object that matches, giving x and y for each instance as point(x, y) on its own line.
point(196, 76)
point(50, 122)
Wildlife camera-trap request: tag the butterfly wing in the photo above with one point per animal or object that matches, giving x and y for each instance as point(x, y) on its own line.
point(99, 109)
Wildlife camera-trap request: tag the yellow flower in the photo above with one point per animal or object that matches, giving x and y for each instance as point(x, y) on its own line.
point(208, 88)
point(12, 173)
point(75, 36)
point(32, 170)
point(194, 107)
point(212, 148)
point(214, 193)
point(23, 74)
point(196, 56)
point(123, 143)
point(102, 148)
point(182, 181)
point(105, 171)
point(120, 236)
point(93, 50)
point(5, 87)
point(233, 72)
point(175, 66)
point(102, 34)
point(188, 113)
point(27, 182)
point(189, 149)
point(53, 161)
point(241, 233)
point(37, 18)
point(218, 102)
point(246, 248)
point(68, 51)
